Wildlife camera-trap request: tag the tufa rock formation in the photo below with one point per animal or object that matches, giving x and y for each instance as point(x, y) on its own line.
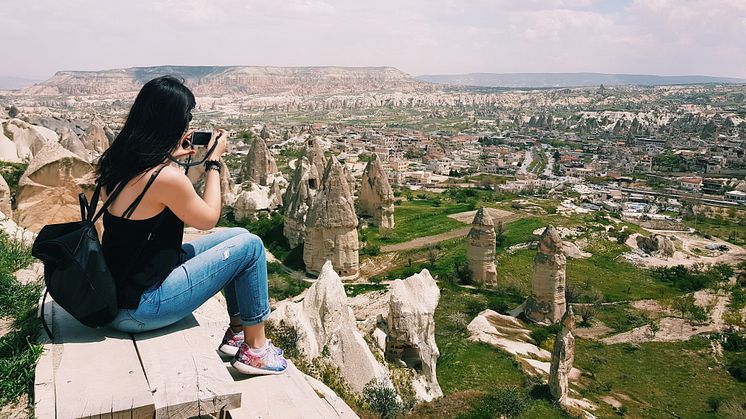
point(547, 300)
point(480, 249)
point(8, 150)
point(325, 323)
point(657, 245)
point(298, 199)
point(71, 142)
point(301, 192)
point(411, 331)
point(5, 202)
point(315, 154)
point(563, 355)
point(28, 139)
point(50, 186)
point(376, 198)
point(331, 226)
point(259, 166)
point(95, 138)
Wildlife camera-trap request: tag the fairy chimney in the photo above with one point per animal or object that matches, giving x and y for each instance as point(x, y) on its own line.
point(302, 190)
point(259, 166)
point(411, 331)
point(563, 356)
point(480, 250)
point(547, 301)
point(376, 198)
point(315, 154)
point(331, 226)
point(298, 200)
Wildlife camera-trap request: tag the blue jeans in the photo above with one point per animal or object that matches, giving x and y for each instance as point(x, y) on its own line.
point(232, 260)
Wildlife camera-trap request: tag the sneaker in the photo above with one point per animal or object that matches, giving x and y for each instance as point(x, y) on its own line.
point(258, 362)
point(232, 340)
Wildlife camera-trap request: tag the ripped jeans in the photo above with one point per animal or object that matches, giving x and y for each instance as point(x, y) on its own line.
point(232, 260)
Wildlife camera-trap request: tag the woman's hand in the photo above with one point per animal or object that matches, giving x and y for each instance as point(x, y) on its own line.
point(221, 136)
point(180, 151)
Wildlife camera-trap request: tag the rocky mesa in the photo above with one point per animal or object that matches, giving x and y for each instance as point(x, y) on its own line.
point(218, 81)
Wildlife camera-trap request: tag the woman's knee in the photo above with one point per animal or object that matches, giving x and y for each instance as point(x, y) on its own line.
point(237, 231)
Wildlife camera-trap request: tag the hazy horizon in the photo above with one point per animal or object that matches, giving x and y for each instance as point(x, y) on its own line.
point(649, 37)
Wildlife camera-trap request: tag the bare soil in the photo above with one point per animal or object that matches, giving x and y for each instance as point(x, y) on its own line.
point(691, 249)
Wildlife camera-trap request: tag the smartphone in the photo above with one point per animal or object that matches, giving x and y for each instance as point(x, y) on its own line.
point(201, 138)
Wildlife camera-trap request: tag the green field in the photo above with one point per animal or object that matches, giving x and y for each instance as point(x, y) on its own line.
point(618, 279)
point(468, 371)
point(661, 379)
point(418, 218)
point(728, 229)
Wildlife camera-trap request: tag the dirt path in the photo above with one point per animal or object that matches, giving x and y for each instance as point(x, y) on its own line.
point(426, 241)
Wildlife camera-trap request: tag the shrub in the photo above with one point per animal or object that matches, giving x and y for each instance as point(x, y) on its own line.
point(733, 342)
point(587, 313)
point(622, 236)
point(714, 402)
point(382, 400)
point(737, 367)
point(687, 308)
point(694, 278)
point(738, 298)
point(541, 334)
point(372, 250)
point(285, 336)
point(509, 402)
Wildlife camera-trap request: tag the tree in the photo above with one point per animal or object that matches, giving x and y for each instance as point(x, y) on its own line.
point(13, 111)
point(587, 312)
point(622, 236)
point(500, 233)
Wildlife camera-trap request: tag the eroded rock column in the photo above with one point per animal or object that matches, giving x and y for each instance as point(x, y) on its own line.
point(563, 356)
point(480, 250)
point(547, 301)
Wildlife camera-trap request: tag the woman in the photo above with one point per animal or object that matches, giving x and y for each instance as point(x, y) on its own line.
point(159, 280)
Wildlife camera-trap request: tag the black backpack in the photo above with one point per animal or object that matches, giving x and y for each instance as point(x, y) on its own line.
point(75, 272)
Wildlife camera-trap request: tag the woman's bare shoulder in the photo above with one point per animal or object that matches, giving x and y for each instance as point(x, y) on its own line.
point(173, 182)
point(172, 175)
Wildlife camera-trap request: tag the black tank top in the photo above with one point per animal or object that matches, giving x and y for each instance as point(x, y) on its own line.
point(141, 253)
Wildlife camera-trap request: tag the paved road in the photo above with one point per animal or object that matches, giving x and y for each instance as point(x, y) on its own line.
point(528, 158)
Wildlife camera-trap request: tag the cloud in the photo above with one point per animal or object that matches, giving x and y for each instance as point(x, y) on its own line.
point(417, 36)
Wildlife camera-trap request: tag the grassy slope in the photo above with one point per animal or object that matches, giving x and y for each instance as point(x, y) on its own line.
point(725, 229)
point(465, 367)
point(18, 354)
point(662, 378)
point(617, 279)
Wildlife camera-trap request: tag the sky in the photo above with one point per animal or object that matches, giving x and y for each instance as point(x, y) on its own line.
point(664, 37)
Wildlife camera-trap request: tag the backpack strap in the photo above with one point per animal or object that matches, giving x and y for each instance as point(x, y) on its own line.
point(128, 212)
point(94, 201)
point(43, 317)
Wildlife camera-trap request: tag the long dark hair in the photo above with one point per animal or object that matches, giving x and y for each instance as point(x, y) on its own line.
point(157, 120)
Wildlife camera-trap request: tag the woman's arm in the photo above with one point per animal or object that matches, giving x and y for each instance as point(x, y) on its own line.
point(178, 194)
